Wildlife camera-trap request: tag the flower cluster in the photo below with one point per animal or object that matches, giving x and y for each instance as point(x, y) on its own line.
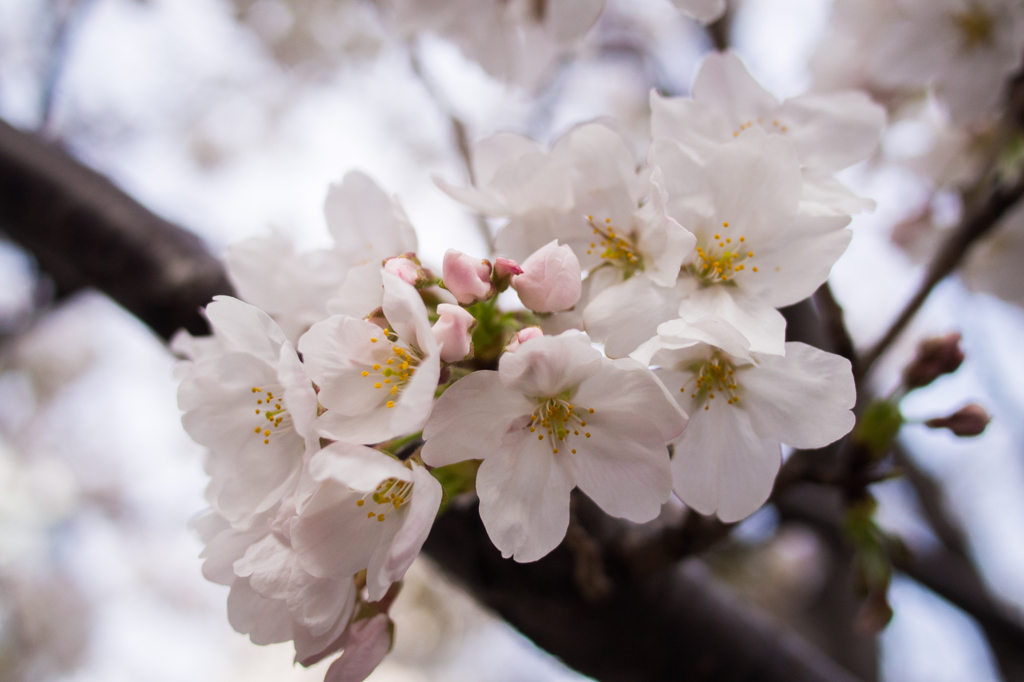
point(311, 395)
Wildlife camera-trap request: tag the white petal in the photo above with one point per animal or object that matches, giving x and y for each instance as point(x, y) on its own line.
point(266, 621)
point(803, 399)
point(317, 604)
point(624, 465)
point(361, 293)
point(491, 153)
point(367, 225)
point(223, 550)
point(470, 419)
point(356, 466)
point(627, 386)
point(524, 497)
point(417, 520)
point(835, 130)
point(763, 327)
point(625, 315)
point(333, 536)
point(548, 365)
point(406, 313)
point(721, 466)
point(299, 394)
point(245, 328)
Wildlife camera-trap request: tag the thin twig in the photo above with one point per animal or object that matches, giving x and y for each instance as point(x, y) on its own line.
point(950, 254)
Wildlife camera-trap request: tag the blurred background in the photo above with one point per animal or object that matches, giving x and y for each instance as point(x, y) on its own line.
point(231, 118)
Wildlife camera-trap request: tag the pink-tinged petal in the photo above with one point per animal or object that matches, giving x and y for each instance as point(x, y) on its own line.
point(470, 419)
point(404, 269)
point(624, 465)
point(405, 312)
point(721, 466)
point(417, 521)
point(266, 621)
point(367, 225)
point(803, 399)
point(318, 604)
point(299, 394)
point(625, 315)
point(761, 325)
point(369, 641)
point(356, 466)
point(524, 496)
point(245, 328)
point(522, 336)
point(548, 365)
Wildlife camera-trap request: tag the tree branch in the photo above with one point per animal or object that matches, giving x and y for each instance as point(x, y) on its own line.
point(975, 226)
point(85, 232)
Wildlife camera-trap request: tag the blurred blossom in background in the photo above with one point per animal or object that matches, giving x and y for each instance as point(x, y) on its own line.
point(231, 118)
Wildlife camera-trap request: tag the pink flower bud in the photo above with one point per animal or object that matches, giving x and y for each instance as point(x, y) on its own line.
point(505, 267)
point(405, 268)
point(468, 278)
point(550, 280)
point(522, 336)
point(969, 420)
point(452, 332)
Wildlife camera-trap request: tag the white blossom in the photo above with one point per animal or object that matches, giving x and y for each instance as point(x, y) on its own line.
point(557, 415)
point(756, 251)
point(742, 405)
point(830, 131)
point(370, 512)
point(251, 403)
point(375, 383)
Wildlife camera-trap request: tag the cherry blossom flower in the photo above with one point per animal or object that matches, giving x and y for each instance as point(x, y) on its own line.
point(273, 599)
point(298, 289)
point(370, 512)
point(375, 383)
point(251, 403)
point(830, 131)
point(742, 405)
point(557, 415)
point(756, 251)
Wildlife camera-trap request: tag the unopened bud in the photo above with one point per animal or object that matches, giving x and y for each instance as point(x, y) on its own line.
point(504, 270)
point(452, 332)
point(468, 278)
point(522, 336)
point(935, 357)
point(407, 268)
point(550, 280)
point(970, 420)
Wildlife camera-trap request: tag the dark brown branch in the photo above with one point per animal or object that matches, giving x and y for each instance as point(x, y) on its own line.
point(677, 624)
point(976, 225)
point(85, 232)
